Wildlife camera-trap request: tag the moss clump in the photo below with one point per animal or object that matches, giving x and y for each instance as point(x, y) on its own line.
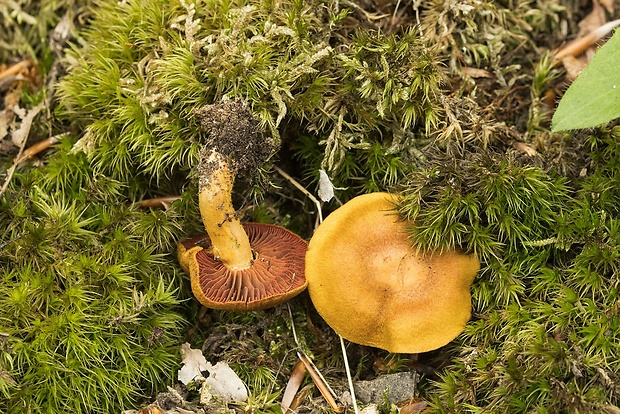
point(145, 69)
point(546, 329)
point(89, 306)
point(35, 28)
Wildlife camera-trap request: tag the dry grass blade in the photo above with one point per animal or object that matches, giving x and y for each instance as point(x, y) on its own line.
point(476, 73)
point(320, 384)
point(294, 382)
point(609, 409)
point(349, 379)
point(316, 376)
point(304, 393)
point(578, 46)
point(302, 189)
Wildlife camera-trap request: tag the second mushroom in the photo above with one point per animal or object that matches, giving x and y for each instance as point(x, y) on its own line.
point(373, 289)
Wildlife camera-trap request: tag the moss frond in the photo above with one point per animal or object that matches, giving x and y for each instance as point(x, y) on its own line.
point(483, 204)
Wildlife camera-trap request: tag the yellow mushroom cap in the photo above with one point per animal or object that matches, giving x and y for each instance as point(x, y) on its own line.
point(373, 289)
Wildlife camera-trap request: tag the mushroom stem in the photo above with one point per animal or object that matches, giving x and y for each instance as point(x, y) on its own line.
point(229, 240)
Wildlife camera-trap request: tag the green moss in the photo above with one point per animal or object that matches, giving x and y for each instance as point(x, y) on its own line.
point(545, 332)
point(89, 308)
point(146, 69)
point(92, 301)
point(27, 26)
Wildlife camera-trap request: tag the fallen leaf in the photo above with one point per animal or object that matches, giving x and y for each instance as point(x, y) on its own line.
point(412, 406)
point(593, 20)
point(7, 116)
point(20, 135)
point(523, 147)
point(574, 66)
point(4, 123)
point(158, 202)
point(548, 101)
point(476, 73)
point(609, 5)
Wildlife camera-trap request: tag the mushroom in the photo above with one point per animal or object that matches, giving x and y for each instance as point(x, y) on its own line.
point(234, 266)
point(373, 288)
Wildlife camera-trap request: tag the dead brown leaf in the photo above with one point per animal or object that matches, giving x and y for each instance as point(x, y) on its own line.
point(609, 5)
point(20, 136)
point(412, 406)
point(548, 101)
point(158, 202)
point(574, 66)
point(595, 19)
point(476, 73)
point(7, 116)
point(523, 147)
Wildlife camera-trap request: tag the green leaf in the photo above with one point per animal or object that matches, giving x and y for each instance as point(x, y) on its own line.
point(594, 97)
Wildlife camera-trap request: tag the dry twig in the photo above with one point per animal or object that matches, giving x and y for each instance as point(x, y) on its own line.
point(157, 202)
point(303, 190)
point(37, 148)
point(15, 69)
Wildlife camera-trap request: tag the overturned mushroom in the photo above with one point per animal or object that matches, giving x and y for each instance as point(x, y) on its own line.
point(235, 266)
point(373, 289)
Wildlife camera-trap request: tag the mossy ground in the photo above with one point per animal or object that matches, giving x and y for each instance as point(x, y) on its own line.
point(450, 112)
